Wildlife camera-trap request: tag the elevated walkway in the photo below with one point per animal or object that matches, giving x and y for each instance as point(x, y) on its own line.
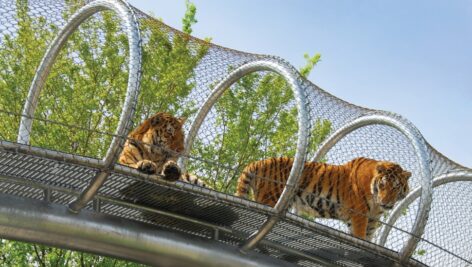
point(103, 66)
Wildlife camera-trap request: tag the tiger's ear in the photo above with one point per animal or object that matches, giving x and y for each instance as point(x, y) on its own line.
point(381, 168)
point(182, 120)
point(155, 120)
point(406, 174)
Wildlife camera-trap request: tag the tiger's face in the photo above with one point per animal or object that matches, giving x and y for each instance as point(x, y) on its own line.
point(390, 184)
point(166, 133)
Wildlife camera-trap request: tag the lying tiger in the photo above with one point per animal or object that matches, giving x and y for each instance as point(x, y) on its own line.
point(154, 146)
point(357, 192)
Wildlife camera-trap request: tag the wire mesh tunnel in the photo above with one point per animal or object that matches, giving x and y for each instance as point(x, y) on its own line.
point(77, 76)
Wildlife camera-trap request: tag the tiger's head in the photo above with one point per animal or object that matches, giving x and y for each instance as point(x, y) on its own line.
point(390, 184)
point(164, 132)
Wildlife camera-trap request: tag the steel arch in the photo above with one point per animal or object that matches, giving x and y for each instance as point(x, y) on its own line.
point(126, 14)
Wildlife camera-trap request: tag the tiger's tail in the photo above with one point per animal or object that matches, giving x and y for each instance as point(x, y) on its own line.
point(245, 180)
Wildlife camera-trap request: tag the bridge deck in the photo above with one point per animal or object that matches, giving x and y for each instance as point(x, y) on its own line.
point(190, 210)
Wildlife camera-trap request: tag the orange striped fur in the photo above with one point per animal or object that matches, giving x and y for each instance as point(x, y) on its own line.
point(357, 192)
point(154, 145)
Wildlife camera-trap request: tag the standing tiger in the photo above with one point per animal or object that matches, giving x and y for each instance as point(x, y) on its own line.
point(357, 192)
point(153, 148)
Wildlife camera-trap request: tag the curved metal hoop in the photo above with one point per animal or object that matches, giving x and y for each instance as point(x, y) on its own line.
point(124, 11)
point(413, 195)
point(285, 71)
point(419, 145)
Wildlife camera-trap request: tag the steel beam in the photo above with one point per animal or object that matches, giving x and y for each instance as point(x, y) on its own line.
point(51, 224)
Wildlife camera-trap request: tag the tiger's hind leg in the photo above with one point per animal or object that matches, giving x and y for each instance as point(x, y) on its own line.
point(171, 171)
point(192, 179)
point(147, 166)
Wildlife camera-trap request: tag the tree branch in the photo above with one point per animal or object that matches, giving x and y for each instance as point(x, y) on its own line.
point(38, 257)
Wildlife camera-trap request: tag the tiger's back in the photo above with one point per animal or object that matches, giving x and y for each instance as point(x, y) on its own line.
point(267, 179)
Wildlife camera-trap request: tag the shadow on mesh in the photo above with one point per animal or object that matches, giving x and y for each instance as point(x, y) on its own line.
point(178, 202)
point(344, 257)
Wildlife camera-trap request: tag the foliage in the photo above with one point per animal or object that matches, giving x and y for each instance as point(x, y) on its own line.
point(25, 254)
point(311, 62)
point(189, 19)
point(84, 93)
point(420, 252)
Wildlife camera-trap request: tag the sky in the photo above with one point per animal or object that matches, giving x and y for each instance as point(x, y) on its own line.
point(409, 57)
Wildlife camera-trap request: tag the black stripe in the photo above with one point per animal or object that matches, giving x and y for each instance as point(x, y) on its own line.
point(186, 177)
point(135, 143)
point(319, 185)
point(366, 201)
point(338, 187)
point(133, 157)
point(332, 210)
point(319, 206)
point(330, 192)
point(309, 199)
point(323, 210)
point(356, 166)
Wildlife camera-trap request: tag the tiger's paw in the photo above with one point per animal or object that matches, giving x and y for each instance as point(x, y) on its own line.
point(171, 171)
point(147, 166)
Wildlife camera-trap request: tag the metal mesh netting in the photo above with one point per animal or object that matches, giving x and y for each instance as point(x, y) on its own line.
point(107, 78)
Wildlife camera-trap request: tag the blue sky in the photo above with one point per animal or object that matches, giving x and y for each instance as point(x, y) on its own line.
point(410, 57)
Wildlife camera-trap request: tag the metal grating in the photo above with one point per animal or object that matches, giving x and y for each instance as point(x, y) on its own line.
point(214, 216)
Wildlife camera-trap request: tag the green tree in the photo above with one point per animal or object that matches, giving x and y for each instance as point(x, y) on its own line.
point(25, 254)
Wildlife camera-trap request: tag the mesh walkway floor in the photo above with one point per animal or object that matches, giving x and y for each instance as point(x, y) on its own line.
point(184, 208)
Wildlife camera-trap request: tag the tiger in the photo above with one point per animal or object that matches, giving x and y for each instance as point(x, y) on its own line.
point(357, 192)
point(154, 145)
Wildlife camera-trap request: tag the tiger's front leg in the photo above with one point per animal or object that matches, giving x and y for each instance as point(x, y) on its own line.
point(171, 171)
point(359, 226)
point(372, 225)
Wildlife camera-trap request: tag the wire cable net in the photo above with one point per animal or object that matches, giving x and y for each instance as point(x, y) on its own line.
point(77, 76)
